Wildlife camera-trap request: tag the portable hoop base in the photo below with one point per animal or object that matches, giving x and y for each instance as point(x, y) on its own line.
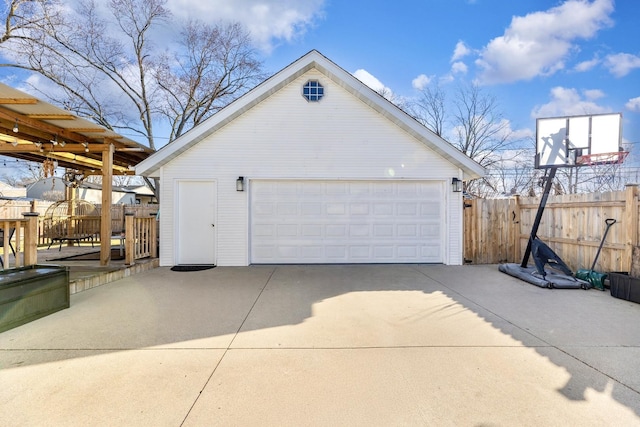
point(551, 280)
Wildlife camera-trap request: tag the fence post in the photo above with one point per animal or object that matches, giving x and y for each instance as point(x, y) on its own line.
point(153, 247)
point(469, 230)
point(129, 239)
point(31, 238)
point(630, 223)
point(515, 227)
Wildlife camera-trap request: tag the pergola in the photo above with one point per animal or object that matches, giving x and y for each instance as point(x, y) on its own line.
point(34, 130)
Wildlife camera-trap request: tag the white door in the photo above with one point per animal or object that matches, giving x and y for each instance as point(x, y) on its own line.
point(196, 215)
point(319, 222)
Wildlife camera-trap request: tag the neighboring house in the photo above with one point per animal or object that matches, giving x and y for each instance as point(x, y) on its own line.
point(143, 194)
point(53, 188)
point(311, 166)
point(8, 191)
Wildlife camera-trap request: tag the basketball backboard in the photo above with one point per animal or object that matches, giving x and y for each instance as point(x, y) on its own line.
point(572, 141)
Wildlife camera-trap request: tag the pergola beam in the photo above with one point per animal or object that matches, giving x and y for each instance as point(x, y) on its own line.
point(50, 148)
point(44, 127)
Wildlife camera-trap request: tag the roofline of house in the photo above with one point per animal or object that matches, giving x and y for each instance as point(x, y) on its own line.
point(313, 59)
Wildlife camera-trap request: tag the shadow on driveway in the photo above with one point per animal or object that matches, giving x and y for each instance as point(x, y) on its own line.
point(588, 334)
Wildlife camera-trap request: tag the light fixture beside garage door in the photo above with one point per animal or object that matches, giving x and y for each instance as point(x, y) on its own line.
point(456, 184)
point(240, 183)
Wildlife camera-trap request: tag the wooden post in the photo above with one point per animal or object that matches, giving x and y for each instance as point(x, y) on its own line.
point(6, 227)
point(105, 220)
point(154, 237)
point(31, 238)
point(129, 239)
point(70, 229)
point(630, 223)
point(515, 228)
point(473, 230)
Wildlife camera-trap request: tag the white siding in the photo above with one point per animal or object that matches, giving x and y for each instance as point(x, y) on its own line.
point(287, 137)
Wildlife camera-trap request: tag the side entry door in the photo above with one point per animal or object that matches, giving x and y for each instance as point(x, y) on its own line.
point(195, 226)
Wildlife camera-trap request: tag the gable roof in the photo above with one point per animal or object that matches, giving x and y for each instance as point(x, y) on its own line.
point(312, 60)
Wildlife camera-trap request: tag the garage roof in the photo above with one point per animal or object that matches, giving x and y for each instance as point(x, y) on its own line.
point(312, 60)
point(45, 131)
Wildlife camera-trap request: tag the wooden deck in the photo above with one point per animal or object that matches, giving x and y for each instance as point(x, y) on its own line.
point(88, 273)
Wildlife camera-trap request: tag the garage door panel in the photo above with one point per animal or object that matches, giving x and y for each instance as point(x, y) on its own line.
point(383, 209)
point(383, 230)
point(336, 209)
point(311, 209)
point(384, 252)
point(359, 230)
point(346, 221)
point(359, 209)
point(312, 230)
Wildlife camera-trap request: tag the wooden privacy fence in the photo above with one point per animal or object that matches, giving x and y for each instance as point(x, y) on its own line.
point(497, 230)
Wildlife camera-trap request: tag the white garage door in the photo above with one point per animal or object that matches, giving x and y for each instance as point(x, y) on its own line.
point(319, 222)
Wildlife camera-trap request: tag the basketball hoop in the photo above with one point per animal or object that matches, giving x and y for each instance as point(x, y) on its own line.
point(612, 158)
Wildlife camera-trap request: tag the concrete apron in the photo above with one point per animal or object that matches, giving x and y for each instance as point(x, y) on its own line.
point(326, 345)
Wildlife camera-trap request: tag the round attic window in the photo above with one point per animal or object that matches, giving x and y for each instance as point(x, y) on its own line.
point(313, 91)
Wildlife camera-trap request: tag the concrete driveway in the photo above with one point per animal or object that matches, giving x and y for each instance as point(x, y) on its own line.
point(326, 345)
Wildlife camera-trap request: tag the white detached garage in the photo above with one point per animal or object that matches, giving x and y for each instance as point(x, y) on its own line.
point(311, 166)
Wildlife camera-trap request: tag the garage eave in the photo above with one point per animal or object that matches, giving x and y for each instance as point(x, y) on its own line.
point(312, 60)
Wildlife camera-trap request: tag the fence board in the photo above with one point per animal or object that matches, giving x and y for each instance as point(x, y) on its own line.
point(573, 225)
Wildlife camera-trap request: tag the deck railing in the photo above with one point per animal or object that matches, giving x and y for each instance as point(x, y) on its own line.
point(24, 234)
point(140, 238)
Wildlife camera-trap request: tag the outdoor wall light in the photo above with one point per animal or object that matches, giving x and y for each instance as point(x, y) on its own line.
point(240, 183)
point(456, 184)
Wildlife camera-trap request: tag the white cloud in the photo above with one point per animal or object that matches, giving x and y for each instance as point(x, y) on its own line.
point(568, 102)
point(459, 68)
point(593, 94)
point(269, 21)
point(421, 81)
point(586, 65)
point(633, 105)
point(460, 51)
point(447, 78)
point(538, 43)
point(621, 64)
point(367, 78)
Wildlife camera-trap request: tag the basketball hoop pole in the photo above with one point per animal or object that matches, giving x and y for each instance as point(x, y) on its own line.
point(536, 223)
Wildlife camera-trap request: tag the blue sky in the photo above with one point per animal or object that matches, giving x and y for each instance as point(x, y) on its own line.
point(540, 58)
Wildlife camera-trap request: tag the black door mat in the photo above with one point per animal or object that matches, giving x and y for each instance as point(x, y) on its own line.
point(93, 256)
point(191, 267)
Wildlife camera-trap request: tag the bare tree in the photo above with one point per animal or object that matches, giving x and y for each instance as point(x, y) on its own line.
point(430, 109)
point(473, 123)
point(105, 61)
point(480, 130)
point(215, 64)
